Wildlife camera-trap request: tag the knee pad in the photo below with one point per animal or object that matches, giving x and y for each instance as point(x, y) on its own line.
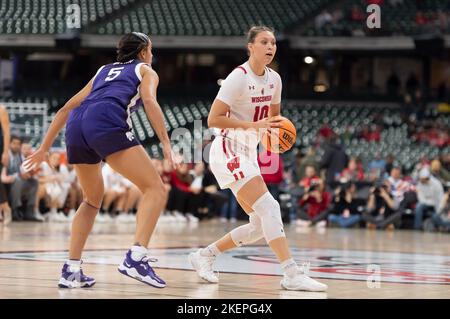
point(269, 212)
point(248, 233)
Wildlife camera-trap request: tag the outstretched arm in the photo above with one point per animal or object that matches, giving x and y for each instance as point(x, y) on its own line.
point(55, 127)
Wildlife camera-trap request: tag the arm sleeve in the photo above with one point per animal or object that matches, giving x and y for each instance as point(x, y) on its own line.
point(277, 95)
point(232, 87)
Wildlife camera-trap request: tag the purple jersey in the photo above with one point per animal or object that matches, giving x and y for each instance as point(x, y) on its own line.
point(117, 83)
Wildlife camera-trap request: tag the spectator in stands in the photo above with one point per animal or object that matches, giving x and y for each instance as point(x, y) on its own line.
point(114, 197)
point(180, 192)
point(354, 172)
point(310, 177)
point(308, 160)
point(75, 196)
point(5, 209)
point(381, 210)
point(423, 163)
point(27, 150)
point(213, 198)
point(318, 203)
point(377, 166)
point(356, 13)
point(345, 211)
point(439, 172)
point(442, 218)
point(398, 187)
point(421, 18)
point(22, 186)
point(323, 18)
point(430, 193)
point(54, 179)
point(271, 165)
point(196, 189)
point(131, 201)
point(334, 159)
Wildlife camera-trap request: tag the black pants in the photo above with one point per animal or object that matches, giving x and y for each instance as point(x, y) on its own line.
point(178, 200)
point(382, 223)
point(321, 216)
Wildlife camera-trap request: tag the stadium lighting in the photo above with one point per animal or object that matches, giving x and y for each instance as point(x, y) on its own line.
point(308, 59)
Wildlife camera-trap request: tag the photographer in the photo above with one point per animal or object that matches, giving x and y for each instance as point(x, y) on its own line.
point(345, 210)
point(318, 201)
point(381, 208)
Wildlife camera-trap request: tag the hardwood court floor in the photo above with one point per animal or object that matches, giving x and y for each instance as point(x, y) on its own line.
point(402, 264)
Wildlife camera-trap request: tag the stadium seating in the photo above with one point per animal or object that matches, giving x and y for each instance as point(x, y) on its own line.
point(396, 19)
point(49, 16)
point(208, 17)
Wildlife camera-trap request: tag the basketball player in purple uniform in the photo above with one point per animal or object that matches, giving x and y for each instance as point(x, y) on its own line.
point(99, 128)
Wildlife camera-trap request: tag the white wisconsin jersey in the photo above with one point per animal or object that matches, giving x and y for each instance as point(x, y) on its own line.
point(249, 97)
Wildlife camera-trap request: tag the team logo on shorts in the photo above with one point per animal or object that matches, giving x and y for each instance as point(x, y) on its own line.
point(130, 136)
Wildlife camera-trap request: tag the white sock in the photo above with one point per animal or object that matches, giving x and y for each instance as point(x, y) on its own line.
point(137, 252)
point(289, 267)
point(74, 265)
point(210, 251)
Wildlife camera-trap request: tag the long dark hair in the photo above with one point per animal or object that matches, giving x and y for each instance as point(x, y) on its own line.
point(130, 45)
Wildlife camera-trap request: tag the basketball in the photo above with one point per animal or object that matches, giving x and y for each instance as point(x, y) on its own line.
point(280, 140)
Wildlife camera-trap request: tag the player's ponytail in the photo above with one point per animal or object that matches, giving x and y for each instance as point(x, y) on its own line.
point(130, 45)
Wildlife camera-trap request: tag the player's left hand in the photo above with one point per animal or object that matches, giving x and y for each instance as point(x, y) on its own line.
point(5, 158)
point(34, 160)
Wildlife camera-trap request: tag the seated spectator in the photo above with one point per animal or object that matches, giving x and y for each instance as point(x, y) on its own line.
point(271, 165)
point(318, 203)
point(55, 185)
point(353, 172)
point(441, 220)
point(213, 199)
point(376, 167)
point(398, 187)
point(381, 210)
point(310, 177)
point(429, 193)
point(115, 195)
point(303, 160)
point(345, 211)
point(131, 202)
point(180, 192)
point(439, 172)
point(22, 186)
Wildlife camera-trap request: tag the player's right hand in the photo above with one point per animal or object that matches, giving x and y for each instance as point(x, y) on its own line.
point(169, 155)
point(268, 123)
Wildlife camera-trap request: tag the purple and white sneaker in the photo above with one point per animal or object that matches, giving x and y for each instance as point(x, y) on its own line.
point(141, 270)
point(74, 279)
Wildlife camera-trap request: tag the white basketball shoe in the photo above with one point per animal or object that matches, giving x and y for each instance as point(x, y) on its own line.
point(203, 266)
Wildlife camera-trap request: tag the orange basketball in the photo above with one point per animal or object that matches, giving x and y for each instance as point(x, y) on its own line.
point(280, 140)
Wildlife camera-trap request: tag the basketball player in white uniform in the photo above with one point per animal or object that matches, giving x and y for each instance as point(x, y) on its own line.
point(247, 104)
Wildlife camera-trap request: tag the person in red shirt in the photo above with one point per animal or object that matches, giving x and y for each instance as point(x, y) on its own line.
point(271, 165)
point(353, 172)
point(311, 176)
point(318, 203)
